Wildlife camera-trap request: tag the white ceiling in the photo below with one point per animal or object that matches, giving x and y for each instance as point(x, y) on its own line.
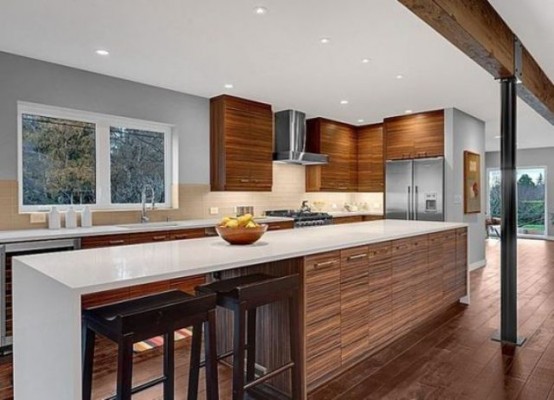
point(198, 46)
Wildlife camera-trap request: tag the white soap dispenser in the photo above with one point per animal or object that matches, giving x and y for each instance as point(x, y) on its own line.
point(86, 217)
point(54, 218)
point(71, 218)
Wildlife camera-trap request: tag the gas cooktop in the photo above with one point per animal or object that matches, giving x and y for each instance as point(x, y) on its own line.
point(303, 218)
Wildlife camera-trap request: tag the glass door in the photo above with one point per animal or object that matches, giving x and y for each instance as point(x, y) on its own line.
point(531, 198)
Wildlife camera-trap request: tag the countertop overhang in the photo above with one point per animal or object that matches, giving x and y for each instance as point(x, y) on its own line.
point(94, 270)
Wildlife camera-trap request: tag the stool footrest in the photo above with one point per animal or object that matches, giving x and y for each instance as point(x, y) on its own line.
point(269, 375)
point(144, 386)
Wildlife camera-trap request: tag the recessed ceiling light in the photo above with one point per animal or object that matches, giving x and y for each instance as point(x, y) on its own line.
point(399, 76)
point(102, 52)
point(229, 86)
point(365, 60)
point(360, 120)
point(260, 10)
point(408, 112)
point(344, 102)
point(324, 40)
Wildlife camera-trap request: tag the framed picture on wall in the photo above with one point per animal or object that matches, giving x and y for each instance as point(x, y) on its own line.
point(472, 183)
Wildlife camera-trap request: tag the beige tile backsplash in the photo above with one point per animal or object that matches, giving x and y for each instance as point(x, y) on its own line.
point(195, 201)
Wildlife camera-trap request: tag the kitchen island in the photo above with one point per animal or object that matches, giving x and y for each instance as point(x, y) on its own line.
point(364, 285)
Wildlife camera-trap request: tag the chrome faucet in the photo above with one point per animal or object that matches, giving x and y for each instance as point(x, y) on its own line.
point(144, 218)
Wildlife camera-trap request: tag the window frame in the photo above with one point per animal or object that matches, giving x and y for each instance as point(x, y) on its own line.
point(102, 122)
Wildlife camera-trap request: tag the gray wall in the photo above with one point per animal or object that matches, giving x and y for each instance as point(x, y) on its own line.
point(464, 132)
point(25, 79)
point(543, 157)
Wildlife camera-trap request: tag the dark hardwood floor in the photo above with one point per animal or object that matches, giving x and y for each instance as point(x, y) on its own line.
point(450, 357)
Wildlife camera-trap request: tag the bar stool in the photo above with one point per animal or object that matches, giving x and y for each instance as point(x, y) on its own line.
point(131, 321)
point(243, 295)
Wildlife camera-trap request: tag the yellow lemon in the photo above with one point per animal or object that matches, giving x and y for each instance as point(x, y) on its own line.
point(232, 223)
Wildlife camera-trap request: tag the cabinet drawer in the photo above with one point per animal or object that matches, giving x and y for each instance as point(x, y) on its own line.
point(367, 218)
point(187, 234)
point(275, 226)
point(149, 237)
point(354, 263)
point(105, 241)
point(347, 220)
point(322, 286)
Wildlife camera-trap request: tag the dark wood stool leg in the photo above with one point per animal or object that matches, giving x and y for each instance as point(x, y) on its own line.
point(296, 357)
point(169, 366)
point(210, 345)
point(251, 346)
point(125, 369)
point(194, 368)
point(88, 360)
point(239, 338)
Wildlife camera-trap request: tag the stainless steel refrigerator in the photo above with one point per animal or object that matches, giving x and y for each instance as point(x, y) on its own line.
point(415, 189)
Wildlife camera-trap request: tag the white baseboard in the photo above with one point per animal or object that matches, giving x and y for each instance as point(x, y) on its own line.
point(478, 264)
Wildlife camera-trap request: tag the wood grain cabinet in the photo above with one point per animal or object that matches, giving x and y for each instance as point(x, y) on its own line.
point(371, 159)
point(348, 219)
point(339, 142)
point(461, 262)
point(379, 294)
point(241, 145)
point(277, 226)
point(141, 237)
point(91, 242)
point(322, 277)
point(354, 289)
point(409, 267)
point(414, 136)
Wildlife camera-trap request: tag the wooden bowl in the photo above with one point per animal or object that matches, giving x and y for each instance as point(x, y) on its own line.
point(241, 235)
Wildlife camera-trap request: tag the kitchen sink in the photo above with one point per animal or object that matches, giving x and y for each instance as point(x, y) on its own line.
point(149, 225)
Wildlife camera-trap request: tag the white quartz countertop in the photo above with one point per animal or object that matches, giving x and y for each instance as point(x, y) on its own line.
point(93, 270)
point(48, 234)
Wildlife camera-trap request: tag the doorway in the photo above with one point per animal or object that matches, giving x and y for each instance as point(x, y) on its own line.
point(531, 199)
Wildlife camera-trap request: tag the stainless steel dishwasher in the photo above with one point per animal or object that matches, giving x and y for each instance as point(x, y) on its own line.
point(7, 252)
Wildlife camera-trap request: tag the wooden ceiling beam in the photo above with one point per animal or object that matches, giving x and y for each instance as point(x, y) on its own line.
point(479, 31)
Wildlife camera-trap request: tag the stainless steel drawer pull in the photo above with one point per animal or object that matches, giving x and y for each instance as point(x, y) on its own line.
point(244, 180)
point(274, 226)
point(117, 241)
point(357, 257)
point(324, 264)
point(159, 238)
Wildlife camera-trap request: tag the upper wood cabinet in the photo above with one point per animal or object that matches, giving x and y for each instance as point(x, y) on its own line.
point(415, 136)
point(338, 141)
point(241, 145)
point(371, 167)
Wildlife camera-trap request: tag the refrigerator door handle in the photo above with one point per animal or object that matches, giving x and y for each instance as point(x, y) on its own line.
point(408, 208)
point(416, 202)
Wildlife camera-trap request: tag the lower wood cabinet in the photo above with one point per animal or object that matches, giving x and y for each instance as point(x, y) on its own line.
point(322, 276)
point(380, 294)
point(354, 287)
point(91, 242)
point(359, 299)
point(348, 219)
point(276, 226)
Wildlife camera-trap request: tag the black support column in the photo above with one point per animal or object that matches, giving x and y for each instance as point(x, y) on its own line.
point(508, 252)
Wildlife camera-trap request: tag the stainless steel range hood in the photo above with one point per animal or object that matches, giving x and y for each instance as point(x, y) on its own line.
point(290, 140)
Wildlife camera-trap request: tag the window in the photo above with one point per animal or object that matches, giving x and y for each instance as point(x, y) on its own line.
point(74, 157)
point(531, 196)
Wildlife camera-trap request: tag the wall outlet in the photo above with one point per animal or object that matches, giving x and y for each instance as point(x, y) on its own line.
point(214, 210)
point(38, 218)
point(458, 199)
